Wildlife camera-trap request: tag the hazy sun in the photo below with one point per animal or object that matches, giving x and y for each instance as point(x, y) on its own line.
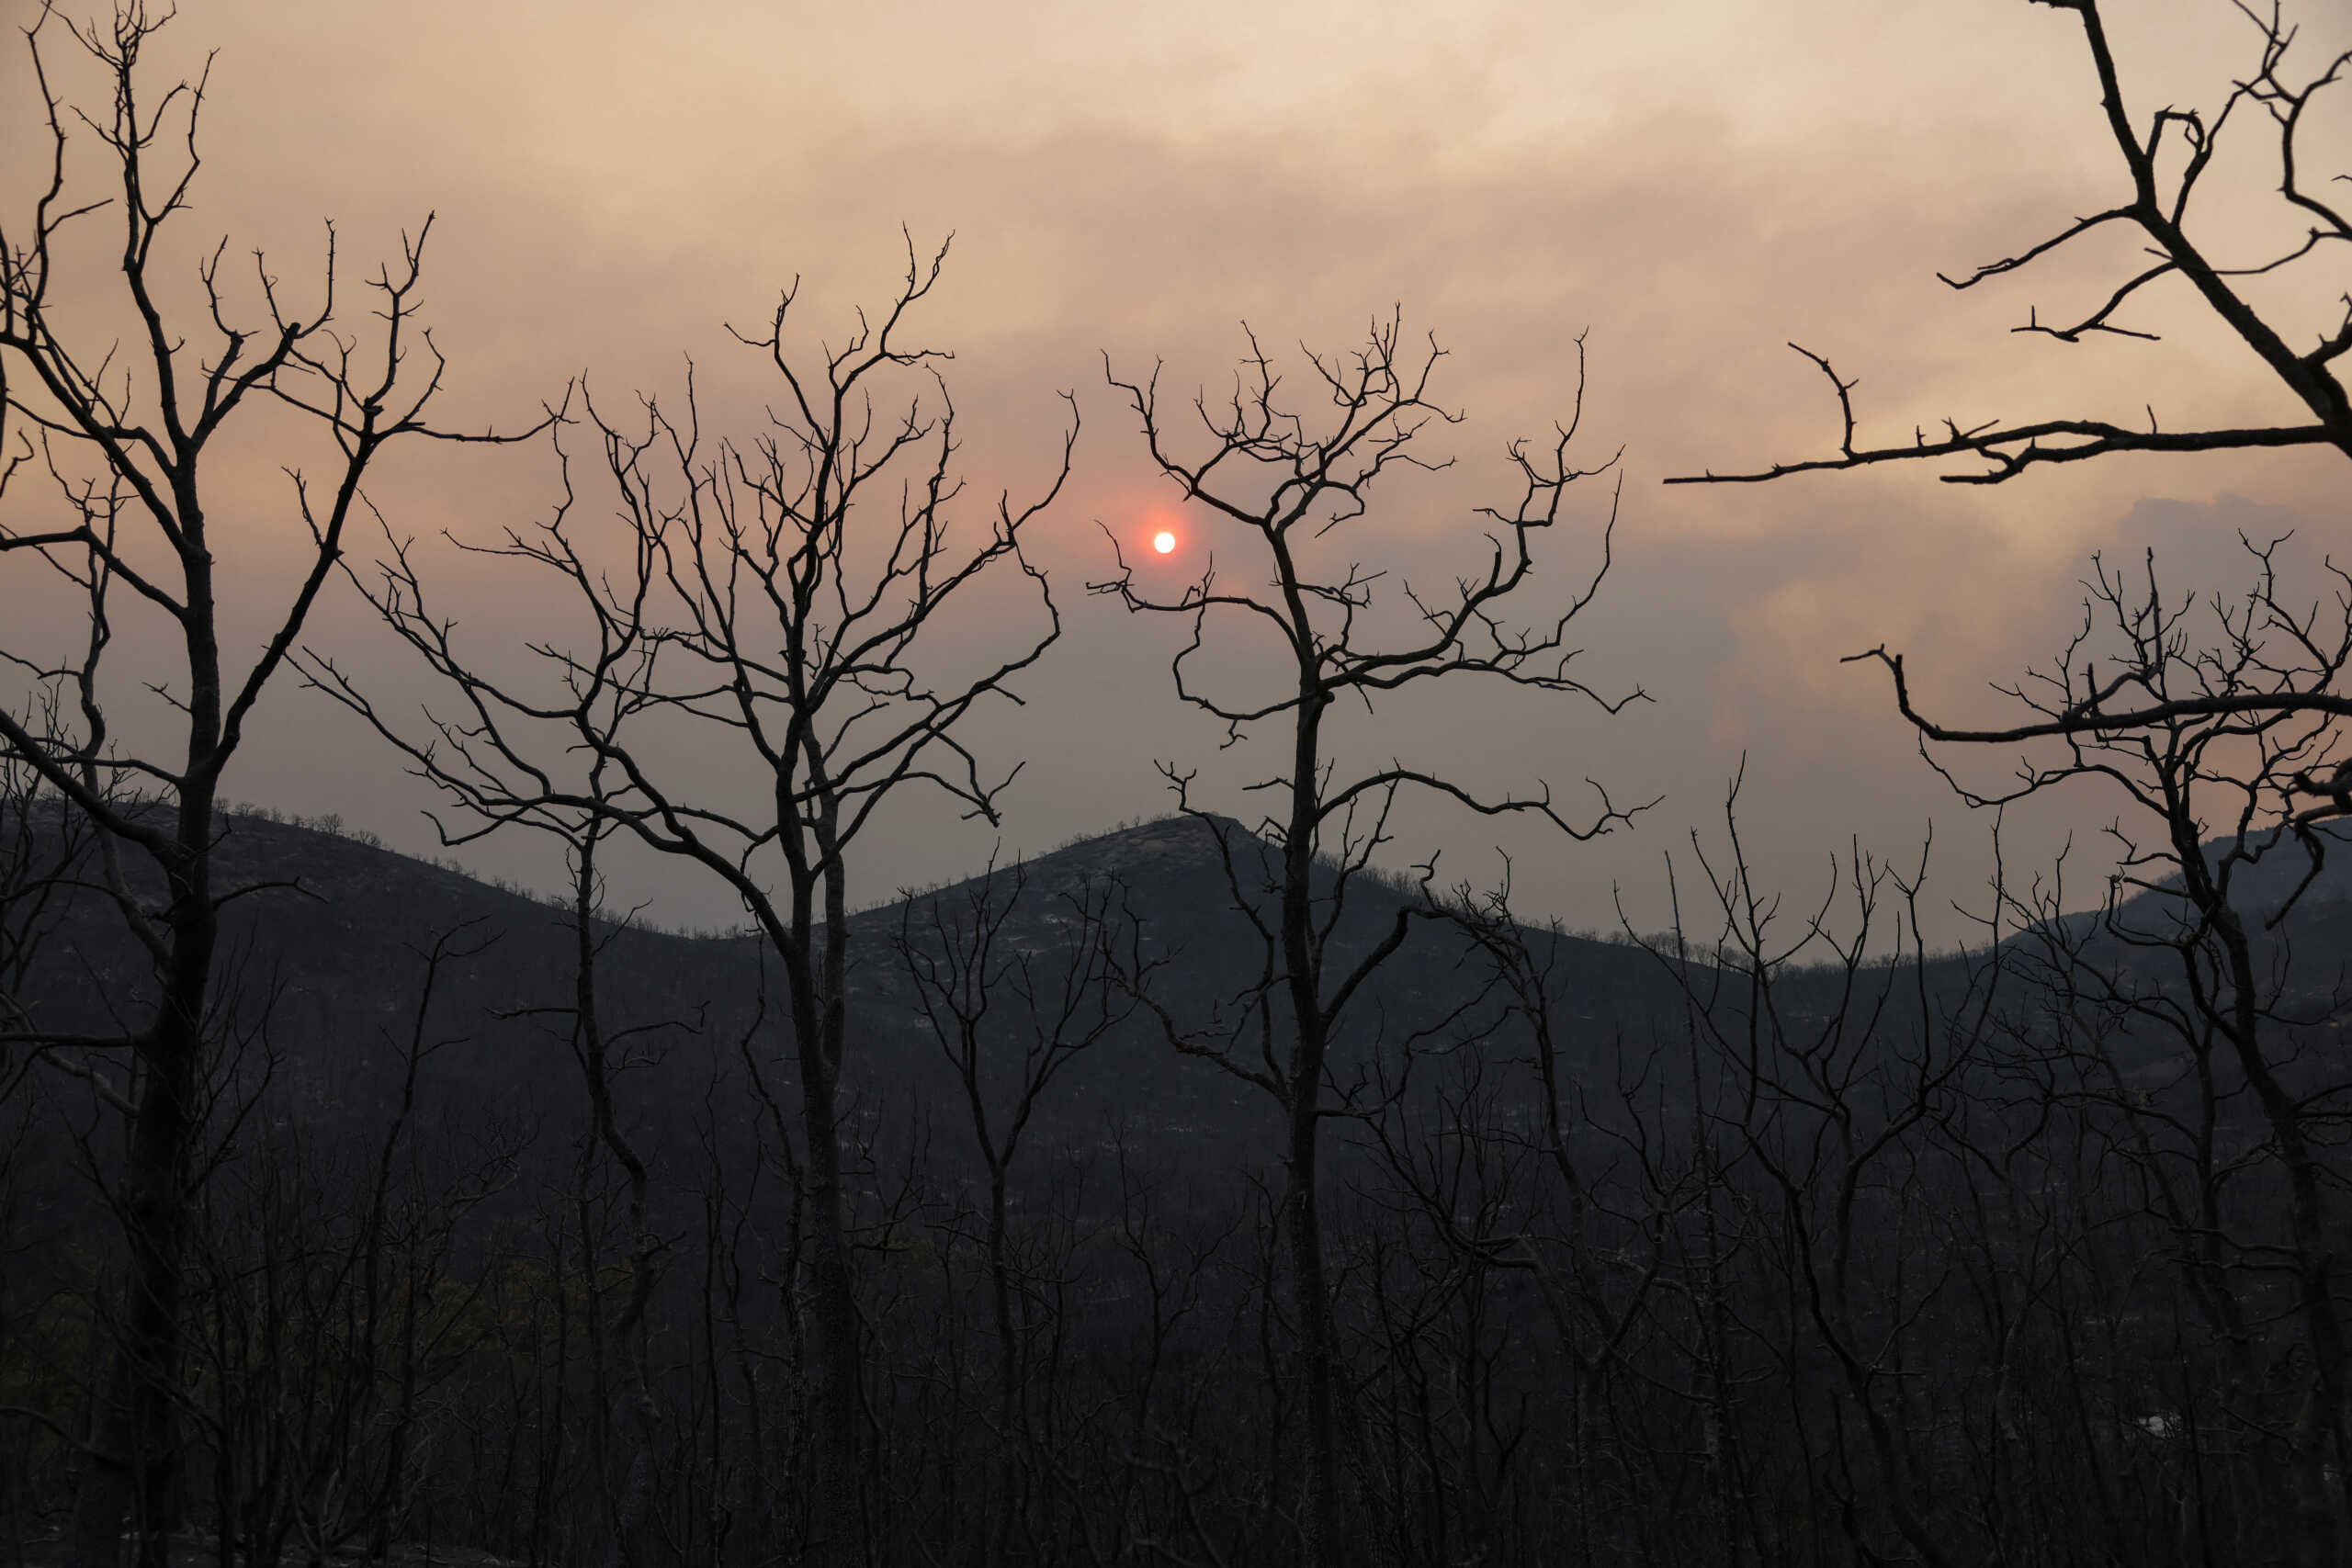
point(1164, 541)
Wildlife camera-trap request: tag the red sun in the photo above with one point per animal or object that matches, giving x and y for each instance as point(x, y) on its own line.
point(1164, 541)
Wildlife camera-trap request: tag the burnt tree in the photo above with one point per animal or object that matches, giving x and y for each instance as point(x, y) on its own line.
point(1281, 481)
point(2193, 251)
point(778, 597)
point(124, 427)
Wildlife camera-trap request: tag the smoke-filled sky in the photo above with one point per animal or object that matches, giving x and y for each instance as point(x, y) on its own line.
point(1688, 184)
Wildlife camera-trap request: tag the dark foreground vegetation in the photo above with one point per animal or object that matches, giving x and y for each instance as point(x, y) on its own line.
point(1203, 1193)
point(1646, 1256)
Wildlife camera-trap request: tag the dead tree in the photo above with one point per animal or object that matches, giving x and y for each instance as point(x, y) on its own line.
point(2164, 158)
point(2233, 730)
point(1585, 1201)
point(603, 1049)
point(123, 425)
point(43, 856)
point(776, 595)
point(2222, 735)
point(973, 952)
point(2158, 206)
point(328, 1301)
point(1281, 482)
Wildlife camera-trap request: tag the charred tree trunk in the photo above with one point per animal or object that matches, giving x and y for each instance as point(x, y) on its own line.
point(1306, 478)
point(131, 1471)
point(819, 997)
point(635, 1415)
point(1321, 1540)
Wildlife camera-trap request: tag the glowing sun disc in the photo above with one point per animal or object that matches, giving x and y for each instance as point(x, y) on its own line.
point(1164, 541)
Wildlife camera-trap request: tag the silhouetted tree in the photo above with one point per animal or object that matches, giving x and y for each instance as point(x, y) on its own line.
point(602, 1048)
point(1010, 1011)
point(2164, 159)
point(328, 1299)
point(43, 854)
point(1283, 481)
point(2233, 729)
point(2254, 1202)
point(776, 595)
point(124, 427)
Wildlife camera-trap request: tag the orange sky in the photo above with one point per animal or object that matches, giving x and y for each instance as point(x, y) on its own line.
point(1693, 182)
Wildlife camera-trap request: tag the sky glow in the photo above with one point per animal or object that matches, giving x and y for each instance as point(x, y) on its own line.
point(1688, 188)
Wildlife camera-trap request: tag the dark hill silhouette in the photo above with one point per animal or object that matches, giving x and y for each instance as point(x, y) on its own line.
point(328, 953)
point(2309, 878)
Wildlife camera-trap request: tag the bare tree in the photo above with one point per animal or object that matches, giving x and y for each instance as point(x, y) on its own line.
point(779, 595)
point(44, 853)
point(331, 1300)
point(603, 1049)
point(2215, 785)
point(124, 429)
point(1584, 1201)
point(2235, 728)
point(2158, 206)
point(974, 952)
point(1281, 482)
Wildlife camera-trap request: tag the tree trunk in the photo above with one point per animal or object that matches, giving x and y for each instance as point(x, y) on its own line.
point(131, 1472)
point(820, 1016)
point(835, 1512)
point(1002, 1503)
point(1321, 1543)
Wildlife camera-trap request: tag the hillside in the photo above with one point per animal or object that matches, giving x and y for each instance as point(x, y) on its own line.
point(329, 958)
point(1140, 1307)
